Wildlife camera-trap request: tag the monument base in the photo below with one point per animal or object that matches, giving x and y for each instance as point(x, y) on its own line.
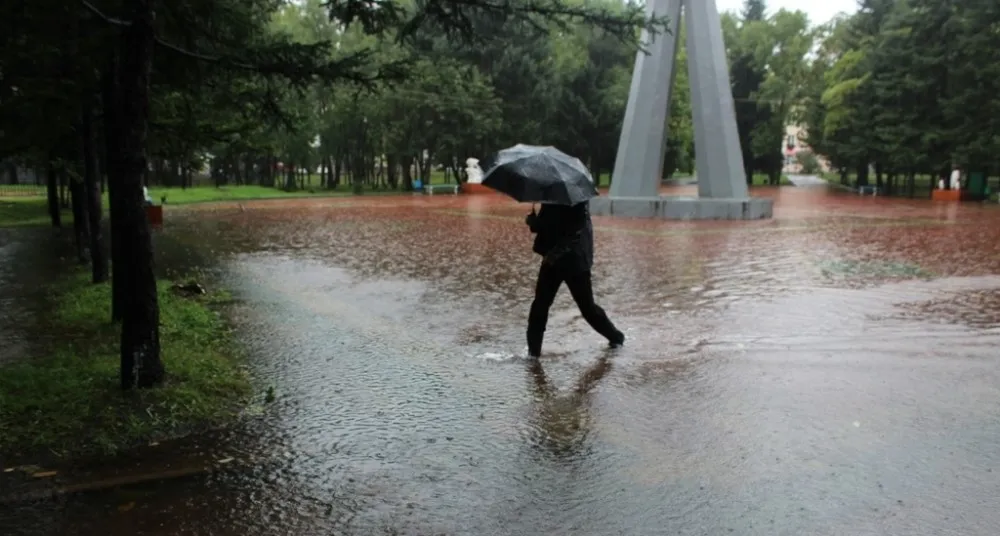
point(683, 208)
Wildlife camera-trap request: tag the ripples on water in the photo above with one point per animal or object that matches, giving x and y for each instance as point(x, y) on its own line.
point(829, 372)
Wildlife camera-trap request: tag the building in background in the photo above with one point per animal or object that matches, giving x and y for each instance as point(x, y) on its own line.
point(794, 144)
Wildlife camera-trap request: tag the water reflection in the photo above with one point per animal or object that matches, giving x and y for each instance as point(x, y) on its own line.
point(561, 420)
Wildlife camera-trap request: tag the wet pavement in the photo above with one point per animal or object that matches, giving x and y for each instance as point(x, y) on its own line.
point(830, 372)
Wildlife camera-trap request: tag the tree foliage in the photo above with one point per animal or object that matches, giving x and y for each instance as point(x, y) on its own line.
point(906, 88)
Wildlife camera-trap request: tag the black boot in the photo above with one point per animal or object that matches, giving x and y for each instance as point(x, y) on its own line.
point(535, 344)
point(617, 339)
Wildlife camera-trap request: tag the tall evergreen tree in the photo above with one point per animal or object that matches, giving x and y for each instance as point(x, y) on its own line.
point(746, 75)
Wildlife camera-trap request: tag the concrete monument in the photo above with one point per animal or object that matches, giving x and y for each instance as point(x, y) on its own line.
point(722, 188)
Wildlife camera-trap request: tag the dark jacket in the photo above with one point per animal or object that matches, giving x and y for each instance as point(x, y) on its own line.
point(564, 235)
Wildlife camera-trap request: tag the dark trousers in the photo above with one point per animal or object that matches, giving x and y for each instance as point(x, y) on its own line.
point(550, 278)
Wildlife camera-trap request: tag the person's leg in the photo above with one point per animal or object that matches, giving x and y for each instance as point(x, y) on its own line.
point(581, 287)
point(549, 279)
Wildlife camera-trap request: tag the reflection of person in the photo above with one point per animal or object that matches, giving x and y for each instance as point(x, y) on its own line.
point(563, 420)
point(565, 240)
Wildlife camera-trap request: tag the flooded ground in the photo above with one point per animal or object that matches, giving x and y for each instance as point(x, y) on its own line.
point(830, 372)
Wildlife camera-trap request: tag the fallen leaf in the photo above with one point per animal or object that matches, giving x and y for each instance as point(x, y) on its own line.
point(9, 470)
point(225, 460)
point(126, 507)
point(154, 443)
point(45, 474)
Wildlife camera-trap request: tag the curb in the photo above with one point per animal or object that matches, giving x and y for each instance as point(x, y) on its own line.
point(33, 492)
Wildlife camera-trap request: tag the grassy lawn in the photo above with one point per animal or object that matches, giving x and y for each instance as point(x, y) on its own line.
point(27, 212)
point(207, 194)
point(760, 179)
point(68, 401)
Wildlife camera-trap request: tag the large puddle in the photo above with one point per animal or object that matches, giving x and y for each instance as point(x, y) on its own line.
point(831, 372)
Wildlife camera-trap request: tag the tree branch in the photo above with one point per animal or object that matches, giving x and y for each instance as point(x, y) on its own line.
point(110, 20)
point(296, 62)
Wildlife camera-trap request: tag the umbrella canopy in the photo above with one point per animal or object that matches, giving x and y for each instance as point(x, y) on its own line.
point(531, 173)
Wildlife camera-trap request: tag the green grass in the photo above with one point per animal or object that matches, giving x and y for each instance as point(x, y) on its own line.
point(208, 194)
point(27, 212)
point(761, 179)
point(24, 211)
point(68, 401)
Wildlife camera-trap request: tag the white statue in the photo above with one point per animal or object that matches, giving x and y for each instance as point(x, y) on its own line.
point(956, 177)
point(473, 171)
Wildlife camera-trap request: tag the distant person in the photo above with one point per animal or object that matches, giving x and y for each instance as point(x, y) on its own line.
point(565, 240)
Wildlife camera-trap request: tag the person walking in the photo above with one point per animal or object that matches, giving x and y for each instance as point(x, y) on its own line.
point(564, 237)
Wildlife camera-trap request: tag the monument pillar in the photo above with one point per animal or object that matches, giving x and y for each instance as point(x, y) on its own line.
point(638, 172)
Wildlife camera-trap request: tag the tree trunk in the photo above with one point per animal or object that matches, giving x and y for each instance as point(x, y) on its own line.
point(78, 203)
point(862, 179)
point(92, 189)
point(109, 102)
point(248, 169)
point(52, 189)
point(328, 172)
point(140, 336)
point(269, 171)
point(408, 174)
point(290, 177)
point(63, 187)
point(392, 171)
point(12, 171)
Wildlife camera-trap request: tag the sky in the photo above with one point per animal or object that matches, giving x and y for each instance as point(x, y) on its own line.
point(819, 11)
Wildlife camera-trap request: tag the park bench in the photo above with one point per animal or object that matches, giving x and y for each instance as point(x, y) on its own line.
point(431, 189)
point(866, 190)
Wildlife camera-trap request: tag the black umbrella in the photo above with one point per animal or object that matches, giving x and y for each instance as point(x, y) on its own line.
point(530, 173)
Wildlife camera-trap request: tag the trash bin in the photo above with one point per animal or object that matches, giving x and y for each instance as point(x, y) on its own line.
point(976, 185)
point(154, 213)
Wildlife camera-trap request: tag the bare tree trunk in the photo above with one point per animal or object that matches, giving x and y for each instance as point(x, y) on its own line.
point(141, 365)
point(63, 187)
point(112, 167)
point(408, 174)
point(52, 189)
point(392, 171)
point(328, 163)
point(92, 189)
point(290, 177)
point(78, 203)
